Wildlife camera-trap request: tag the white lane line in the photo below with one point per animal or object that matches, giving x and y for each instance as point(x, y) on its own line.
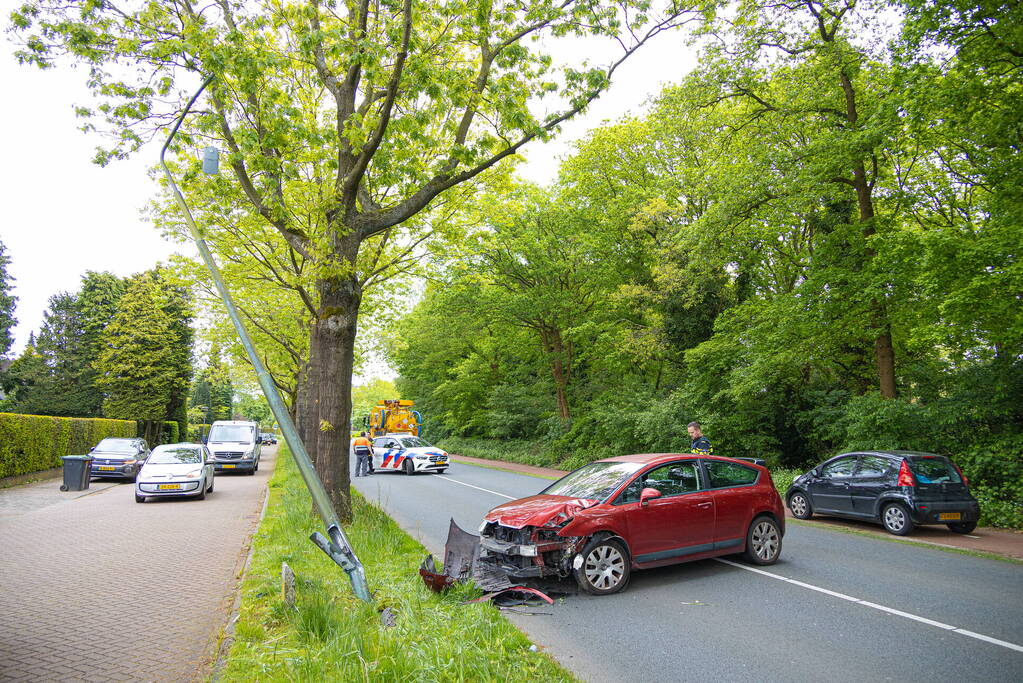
point(968, 536)
point(455, 481)
point(874, 605)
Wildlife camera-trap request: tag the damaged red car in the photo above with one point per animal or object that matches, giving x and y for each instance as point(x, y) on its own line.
point(607, 518)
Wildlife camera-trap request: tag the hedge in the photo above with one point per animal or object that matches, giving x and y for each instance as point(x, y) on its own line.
point(196, 432)
point(32, 443)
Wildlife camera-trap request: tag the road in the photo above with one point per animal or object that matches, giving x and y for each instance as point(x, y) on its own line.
point(95, 587)
point(836, 607)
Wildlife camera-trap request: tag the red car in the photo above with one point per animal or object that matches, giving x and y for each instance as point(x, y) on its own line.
point(633, 512)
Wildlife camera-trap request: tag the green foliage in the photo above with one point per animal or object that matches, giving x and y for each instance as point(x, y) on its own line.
point(32, 443)
point(198, 432)
point(331, 635)
point(7, 303)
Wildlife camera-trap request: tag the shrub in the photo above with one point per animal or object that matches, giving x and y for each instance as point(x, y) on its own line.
point(33, 443)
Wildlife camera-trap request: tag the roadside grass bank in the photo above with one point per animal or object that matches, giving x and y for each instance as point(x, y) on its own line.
point(331, 635)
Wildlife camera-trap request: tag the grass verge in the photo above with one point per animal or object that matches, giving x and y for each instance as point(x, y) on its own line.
point(330, 635)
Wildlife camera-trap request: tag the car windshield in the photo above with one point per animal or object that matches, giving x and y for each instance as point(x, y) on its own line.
point(175, 455)
point(934, 469)
point(598, 480)
point(116, 446)
point(414, 442)
point(236, 433)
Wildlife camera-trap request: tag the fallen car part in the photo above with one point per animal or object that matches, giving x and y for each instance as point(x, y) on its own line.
point(513, 595)
point(336, 546)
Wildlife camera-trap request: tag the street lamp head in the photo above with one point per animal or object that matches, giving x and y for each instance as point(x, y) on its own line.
point(211, 161)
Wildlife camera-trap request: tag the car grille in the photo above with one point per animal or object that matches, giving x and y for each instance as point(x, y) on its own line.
point(228, 455)
point(436, 458)
point(97, 461)
point(503, 533)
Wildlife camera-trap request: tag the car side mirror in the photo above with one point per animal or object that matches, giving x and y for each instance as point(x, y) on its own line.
point(648, 494)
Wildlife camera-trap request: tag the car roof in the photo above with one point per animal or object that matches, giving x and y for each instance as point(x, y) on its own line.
point(656, 458)
point(896, 454)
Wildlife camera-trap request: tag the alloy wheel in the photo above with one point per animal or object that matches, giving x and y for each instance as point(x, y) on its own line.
point(604, 567)
point(765, 541)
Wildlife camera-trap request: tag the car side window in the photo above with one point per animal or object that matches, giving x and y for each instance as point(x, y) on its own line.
point(843, 467)
point(672, 479)
point(724, 474)
point(873, 466)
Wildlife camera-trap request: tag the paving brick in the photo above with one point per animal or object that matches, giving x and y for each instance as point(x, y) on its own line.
point(95, 587)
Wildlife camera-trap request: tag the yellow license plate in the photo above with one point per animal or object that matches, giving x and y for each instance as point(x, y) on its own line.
point(950, 515)
point(107, 469)
point(228, 467)
point(170, 487)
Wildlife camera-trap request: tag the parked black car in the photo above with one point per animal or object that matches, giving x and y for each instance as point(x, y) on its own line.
point(899, 489)
point(118, 458)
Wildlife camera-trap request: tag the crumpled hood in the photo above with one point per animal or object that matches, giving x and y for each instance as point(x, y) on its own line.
point(537, 510)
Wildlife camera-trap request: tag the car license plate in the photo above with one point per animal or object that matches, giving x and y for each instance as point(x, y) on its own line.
point(228, 467)
point(170, 487)
point(950, 515)
point(104, 468)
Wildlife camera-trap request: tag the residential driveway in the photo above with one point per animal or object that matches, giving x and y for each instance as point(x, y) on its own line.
point(95, 587)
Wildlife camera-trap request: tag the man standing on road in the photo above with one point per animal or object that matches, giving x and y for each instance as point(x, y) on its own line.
point(701, 444)
point(363, 450)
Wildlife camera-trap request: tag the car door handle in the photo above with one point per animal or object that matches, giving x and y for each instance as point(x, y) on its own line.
point(704, 506)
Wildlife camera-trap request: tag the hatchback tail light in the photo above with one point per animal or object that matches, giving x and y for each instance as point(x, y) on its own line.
point(905, 476)
point(966, 482)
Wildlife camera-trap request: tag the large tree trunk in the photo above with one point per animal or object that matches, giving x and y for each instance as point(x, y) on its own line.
point(561, 367)
point(308, 410)
point(334, 342)
point(884, 351)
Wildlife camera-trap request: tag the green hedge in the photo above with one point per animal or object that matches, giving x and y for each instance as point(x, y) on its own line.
point(197, 432)
point(32, 443)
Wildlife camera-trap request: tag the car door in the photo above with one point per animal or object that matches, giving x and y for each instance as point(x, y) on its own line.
point(678, 523)
point(731, 489)
point(829, 490)
point(207, 459)
point(872, 477)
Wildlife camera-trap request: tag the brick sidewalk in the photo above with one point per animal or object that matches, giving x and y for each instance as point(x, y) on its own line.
point(95, 587)
point(984, 539)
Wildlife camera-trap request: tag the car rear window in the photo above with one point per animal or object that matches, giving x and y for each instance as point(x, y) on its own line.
point(724, 474)
point(934, 469)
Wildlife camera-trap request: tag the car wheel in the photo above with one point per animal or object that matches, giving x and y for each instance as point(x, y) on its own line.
point(763, 541)
point(202, 491)
point(604, 568)
point(962, 527)
point(895, 518)
point(408, 467)
point(140, 499)
point(800, 506)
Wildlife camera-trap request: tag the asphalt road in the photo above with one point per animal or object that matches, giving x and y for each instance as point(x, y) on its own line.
point(836, 606)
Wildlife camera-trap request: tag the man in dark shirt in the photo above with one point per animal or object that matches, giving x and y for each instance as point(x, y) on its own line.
point(701, 444)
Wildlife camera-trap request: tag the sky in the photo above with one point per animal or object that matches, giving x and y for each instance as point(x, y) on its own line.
point(64, 215)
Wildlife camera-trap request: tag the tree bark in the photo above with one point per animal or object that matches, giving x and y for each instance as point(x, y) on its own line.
point(334, 342)
point(560, 368)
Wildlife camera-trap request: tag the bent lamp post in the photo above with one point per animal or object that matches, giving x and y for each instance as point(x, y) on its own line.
point(335, 544)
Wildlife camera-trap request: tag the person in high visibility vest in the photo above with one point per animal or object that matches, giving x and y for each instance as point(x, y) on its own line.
point(363, 450)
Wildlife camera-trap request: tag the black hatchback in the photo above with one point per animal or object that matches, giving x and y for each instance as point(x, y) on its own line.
point(899, 489)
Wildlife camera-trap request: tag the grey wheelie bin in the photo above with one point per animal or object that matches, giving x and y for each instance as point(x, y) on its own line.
point(77, 472)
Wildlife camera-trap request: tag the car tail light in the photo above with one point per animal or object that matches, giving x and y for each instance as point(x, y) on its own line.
point(905, 476)
point(966, 482)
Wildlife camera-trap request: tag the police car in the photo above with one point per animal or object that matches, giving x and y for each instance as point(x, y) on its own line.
point(407, 453)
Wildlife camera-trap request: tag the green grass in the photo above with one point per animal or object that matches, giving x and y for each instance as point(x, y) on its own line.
point(330, 635)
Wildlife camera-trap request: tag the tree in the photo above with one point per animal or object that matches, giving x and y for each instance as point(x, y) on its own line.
point(140, 365)
point(366, 112)
point(7, 303)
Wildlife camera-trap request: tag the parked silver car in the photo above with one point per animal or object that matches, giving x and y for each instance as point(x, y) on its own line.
point(179, 469)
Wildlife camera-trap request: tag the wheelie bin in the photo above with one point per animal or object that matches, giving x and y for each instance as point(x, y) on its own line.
point(77, 472)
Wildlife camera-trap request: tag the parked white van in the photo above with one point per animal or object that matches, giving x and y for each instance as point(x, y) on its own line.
point(234, 445)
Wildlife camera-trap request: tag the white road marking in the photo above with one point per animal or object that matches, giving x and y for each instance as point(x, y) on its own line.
point(455, 481)
point(873, 605)
point(968, 536)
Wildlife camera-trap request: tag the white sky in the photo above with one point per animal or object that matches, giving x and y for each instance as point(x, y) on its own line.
point(64, 215)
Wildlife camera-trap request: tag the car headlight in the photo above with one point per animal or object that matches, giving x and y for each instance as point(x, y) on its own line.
point(194, 474)
point(483, 526)
point(248, 454)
